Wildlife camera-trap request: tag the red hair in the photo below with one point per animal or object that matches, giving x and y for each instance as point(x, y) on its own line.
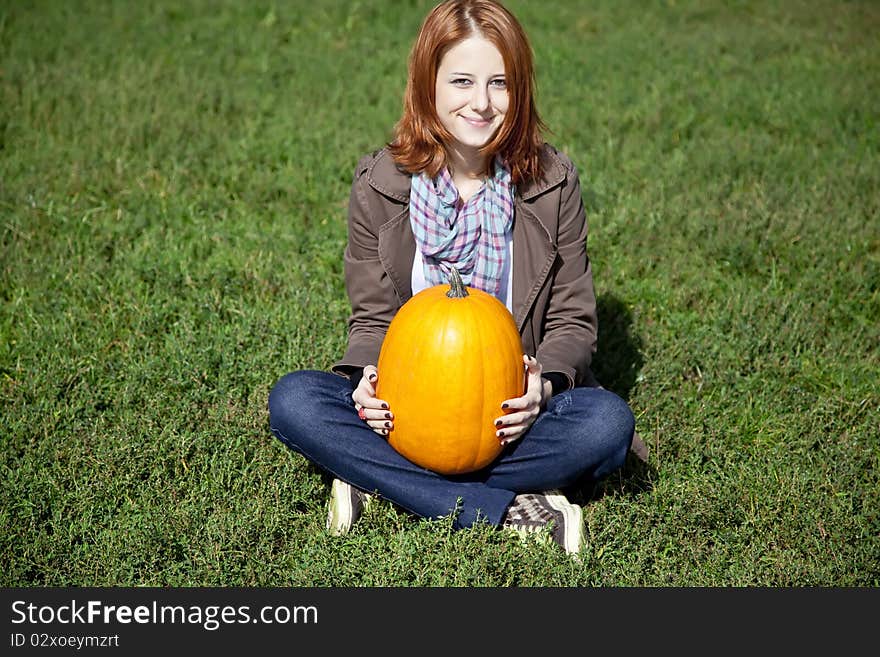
point(419, 137)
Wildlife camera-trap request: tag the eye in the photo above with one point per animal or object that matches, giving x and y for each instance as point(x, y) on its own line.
point(460, 82)
point(499, 83)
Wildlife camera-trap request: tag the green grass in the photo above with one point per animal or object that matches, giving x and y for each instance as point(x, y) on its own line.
point(173, 184)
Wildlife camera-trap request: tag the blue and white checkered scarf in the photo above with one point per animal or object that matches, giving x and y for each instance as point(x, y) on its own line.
point(471, 236)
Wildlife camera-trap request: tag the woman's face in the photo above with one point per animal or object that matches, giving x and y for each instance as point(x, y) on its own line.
point(471, 92)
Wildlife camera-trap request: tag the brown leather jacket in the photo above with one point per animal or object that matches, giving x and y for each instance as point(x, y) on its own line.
point(554, 304)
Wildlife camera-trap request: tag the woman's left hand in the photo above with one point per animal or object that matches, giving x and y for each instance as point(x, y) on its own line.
point(523, 411)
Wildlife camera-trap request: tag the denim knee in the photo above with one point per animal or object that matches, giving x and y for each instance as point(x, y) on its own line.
point(292, 395)
point(618, 417)
point(290, 390)
point(610, 432)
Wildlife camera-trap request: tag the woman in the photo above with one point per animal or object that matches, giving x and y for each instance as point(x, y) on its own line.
point(467, 182)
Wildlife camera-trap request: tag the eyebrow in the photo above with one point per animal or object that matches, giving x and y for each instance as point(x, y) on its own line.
point(470, 75)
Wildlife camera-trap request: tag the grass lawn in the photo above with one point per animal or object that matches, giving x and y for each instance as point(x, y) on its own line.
point(173, 187)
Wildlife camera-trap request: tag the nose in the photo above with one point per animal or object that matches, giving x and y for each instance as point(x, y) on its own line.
point(479, 98)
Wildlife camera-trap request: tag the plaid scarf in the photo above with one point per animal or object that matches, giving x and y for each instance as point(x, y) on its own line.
point(471, 236)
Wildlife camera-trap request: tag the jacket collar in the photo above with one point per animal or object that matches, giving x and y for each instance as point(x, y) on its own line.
point(387, 178)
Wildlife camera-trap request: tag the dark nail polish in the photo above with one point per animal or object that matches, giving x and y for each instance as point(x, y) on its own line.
point(504, 406)
point(497, 423)
point(384, 405)
point(388, 424)
point(388, 416)
point(500, 434)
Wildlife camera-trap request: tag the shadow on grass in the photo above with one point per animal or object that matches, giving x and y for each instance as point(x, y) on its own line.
point(634, 478)
point(616, 365)
point(618, 356)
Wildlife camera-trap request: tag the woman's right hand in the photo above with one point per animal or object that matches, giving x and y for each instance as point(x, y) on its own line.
point(374, 412)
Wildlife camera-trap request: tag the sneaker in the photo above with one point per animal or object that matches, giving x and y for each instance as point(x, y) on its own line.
point(532, 512)
point(347, 503)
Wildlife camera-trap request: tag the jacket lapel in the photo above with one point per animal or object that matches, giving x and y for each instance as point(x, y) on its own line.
point(397, 250)
point(533, 256)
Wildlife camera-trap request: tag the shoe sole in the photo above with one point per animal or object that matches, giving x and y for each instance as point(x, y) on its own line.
point(574, 517)
point(340, 510)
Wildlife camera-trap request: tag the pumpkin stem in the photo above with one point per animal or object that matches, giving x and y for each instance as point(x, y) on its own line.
point(457, 289)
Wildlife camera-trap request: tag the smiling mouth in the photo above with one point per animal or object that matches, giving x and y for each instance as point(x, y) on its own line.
point(479, 123)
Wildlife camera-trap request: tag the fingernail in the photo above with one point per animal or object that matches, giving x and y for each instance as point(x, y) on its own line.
point(498, 423)
point(384, 405)
point(388, 416)
point(504, 405)
point(388, 424)
point(372, 377)
point(500, 434)
point(385, 431)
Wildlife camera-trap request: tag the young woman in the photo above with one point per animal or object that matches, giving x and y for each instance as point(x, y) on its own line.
point(467, 181)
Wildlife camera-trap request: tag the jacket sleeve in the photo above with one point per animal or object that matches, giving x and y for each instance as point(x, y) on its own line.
point(570, 322)
point(369, 288)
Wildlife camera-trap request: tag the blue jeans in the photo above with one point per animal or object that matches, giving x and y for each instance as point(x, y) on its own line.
point(582, 432)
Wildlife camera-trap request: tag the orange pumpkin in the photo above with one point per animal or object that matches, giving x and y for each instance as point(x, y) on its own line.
point(451, 356)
